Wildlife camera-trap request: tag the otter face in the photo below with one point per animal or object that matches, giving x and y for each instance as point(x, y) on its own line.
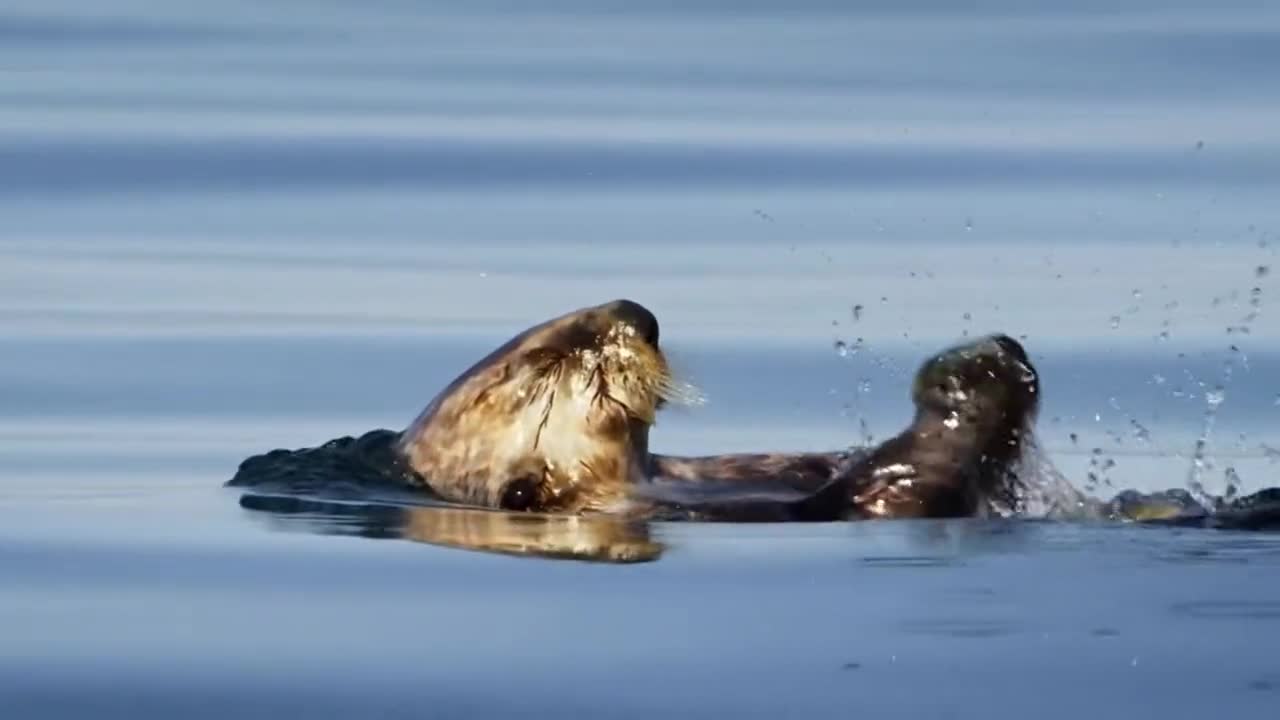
point(557, 419)
point(990, 382)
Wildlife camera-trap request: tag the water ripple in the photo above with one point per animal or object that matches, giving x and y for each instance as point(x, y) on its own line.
point(36, 167)
point(1228, 609)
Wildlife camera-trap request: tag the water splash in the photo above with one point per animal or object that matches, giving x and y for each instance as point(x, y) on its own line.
point(1047, 493)
point(1099, 470)
point(1216, 396)
point(846, 349)
point(1200, 462)
point(1140, 432)
point(1231, 484)
point(1270, 453)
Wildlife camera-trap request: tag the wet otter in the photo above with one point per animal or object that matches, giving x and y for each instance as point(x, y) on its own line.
point(557, 420)
point(975, 403)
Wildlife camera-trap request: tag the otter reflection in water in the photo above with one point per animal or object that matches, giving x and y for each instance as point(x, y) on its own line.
point(557, 421)
point(595, 538)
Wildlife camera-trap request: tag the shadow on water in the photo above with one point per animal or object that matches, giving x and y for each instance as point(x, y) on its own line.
point(601, 539)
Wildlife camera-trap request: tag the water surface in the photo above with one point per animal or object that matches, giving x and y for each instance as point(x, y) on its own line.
point(234, 227)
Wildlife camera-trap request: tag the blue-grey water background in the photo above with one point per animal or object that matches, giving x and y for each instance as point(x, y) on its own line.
point(229, 227)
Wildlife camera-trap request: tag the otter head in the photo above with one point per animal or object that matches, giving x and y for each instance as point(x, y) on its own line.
point(556, 419)
point(977, 402)
point(989, 382)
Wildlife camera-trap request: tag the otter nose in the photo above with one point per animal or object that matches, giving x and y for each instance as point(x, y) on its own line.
point(638, 317)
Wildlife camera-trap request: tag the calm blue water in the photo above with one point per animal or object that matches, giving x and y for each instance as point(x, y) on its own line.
point(238, 226)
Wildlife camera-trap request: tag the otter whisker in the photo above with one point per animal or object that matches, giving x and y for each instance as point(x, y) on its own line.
point(679, 392)
point(546, 417)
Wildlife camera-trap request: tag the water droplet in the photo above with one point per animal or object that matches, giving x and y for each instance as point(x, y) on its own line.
point(1075, 439)
point(1215, 397)
point(1199, 145)
point(857, 313)
point(1231, 479)
point(884, 299)
point(1115, 321)
point(968, 224)
point(1140, 431)
point(842, 348)
point(1262, 271)
point(968, 316)
point(1164, 335)
point(1158, 379)
point(1137, 294)
point(867, 437)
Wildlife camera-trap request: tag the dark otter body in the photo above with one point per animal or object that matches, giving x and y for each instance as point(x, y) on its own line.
point(556, 421)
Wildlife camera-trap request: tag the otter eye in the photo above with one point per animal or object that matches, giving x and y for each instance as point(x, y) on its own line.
point(520, 494)
point(651, 334)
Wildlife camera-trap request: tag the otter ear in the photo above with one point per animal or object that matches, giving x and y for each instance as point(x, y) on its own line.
point(521, 494)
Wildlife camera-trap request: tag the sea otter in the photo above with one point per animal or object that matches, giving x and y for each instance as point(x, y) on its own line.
point(557, 420)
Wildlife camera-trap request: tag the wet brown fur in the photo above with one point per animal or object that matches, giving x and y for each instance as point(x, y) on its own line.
point(562, 410)
point(975, 403)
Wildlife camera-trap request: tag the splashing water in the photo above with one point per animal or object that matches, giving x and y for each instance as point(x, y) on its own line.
point(846, 349)
point(1046, 493)
point(1231, 483)
point(1200, 463)
point(1271, 454)
point(1140, 431)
